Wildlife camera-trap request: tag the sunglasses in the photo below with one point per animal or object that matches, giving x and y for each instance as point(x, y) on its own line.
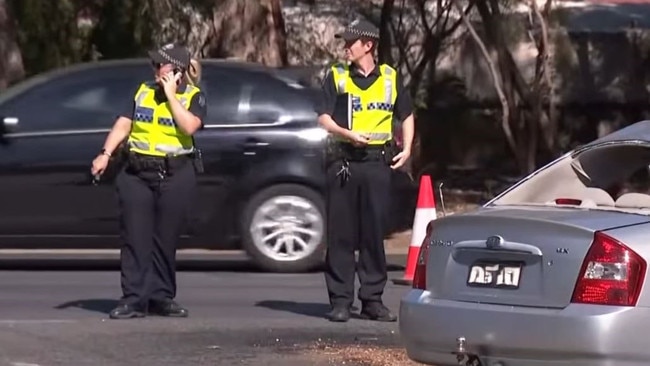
point(158, 65)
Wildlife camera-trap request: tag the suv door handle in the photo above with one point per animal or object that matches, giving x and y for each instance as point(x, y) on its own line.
point(251, 145)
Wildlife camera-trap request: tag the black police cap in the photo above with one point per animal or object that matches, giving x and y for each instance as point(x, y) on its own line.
point(171, 53)
point(359, 28)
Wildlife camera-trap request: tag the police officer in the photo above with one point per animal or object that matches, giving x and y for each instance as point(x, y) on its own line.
point(358, 174)
point(157, 182)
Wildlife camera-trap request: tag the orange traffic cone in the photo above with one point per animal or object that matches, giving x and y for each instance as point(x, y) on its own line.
point(425, 211)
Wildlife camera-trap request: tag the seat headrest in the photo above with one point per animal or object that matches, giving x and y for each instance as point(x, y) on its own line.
point(598, 196)
point(633, 200)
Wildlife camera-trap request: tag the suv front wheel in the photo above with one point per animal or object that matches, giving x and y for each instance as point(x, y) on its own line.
point(283, 228)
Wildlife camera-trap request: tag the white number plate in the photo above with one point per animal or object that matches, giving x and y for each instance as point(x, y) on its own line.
point(494, 275)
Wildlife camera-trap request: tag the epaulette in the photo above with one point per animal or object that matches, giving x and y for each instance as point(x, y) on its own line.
point(150, 83)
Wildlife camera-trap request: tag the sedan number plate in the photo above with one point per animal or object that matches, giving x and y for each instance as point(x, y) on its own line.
point(498, 275)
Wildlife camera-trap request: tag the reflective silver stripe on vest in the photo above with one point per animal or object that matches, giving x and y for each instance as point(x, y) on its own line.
point(140, 97)
point(373, 136)
point(378, 136)
point(171, 149)
point(341, 71)
point(139, 145)
point(388, 85)
point(167, 149)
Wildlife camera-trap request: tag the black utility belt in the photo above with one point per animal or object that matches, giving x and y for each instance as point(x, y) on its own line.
point(141, 162)
point(349, 152)
point(363, 154)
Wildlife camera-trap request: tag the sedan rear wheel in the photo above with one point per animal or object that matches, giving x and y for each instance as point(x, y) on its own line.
point(284, 228)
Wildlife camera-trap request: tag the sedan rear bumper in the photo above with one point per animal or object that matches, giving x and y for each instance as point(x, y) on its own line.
point(578, 335)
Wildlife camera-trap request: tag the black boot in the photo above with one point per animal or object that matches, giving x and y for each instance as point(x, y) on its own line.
point(167, 308)
point(377, 311)
point(339, 314)
point(126, 311)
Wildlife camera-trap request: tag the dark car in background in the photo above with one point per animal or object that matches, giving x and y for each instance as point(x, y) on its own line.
point(262, 190)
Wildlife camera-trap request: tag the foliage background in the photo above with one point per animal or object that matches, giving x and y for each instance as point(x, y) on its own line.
point(597, 70)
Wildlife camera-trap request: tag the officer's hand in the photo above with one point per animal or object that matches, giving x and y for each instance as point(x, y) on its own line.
point(401, 159)
point(169, 83)
point(358, 139)
point(99, 164)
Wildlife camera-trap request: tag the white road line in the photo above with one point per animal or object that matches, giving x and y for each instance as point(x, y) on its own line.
point(35, 321)
point(23, 364)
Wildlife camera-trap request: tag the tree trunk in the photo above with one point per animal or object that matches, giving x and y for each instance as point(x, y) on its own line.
point(11, 61)
point(250, 30)
point(385, 49)
point(548, 120)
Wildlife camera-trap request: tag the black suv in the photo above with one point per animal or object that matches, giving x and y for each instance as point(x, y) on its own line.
point(262, 189)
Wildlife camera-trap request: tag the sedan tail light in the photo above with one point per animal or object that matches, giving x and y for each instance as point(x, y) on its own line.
point(420, 273)
point(611, 274)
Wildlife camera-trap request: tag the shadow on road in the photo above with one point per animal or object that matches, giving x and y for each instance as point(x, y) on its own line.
point(98, 305)
point(395, 263)
point(83, 264)
point(313, 309)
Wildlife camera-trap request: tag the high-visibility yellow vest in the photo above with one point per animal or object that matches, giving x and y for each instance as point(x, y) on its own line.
point(154, 131)
point(372, 109)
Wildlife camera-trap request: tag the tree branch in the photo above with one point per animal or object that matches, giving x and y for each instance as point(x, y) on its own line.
point(547, 125)
point(505, 117)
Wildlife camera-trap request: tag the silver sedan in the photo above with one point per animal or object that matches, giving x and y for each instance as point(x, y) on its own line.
point(550, 272)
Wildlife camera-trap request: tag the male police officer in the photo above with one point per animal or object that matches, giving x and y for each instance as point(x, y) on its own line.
point(358, 171)
point(158, 182)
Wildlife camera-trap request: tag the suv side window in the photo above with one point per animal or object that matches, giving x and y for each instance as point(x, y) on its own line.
point(268, 100)
point(223, 93)
point(83, 100)
point(245, 97)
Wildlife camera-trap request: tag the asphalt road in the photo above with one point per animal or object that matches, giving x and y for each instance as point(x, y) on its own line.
point(58, 316)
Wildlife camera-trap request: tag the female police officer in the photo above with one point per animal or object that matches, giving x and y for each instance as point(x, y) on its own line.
point(157, 182)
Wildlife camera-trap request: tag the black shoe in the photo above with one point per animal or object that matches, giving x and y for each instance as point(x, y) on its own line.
point(167, 308)
point(339, 314)
point(378, 312)
point(126, 311)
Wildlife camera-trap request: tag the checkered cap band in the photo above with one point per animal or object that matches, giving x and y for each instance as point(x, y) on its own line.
point(171, 59)
point(362, 33)
point(359, 28)
point(173, 54)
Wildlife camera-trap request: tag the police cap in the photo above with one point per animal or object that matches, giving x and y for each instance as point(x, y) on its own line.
point(359, 28)
point(171, 53)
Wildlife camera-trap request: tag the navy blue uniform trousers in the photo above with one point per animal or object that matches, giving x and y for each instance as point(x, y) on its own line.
point(153, 213)
point(356, 218)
